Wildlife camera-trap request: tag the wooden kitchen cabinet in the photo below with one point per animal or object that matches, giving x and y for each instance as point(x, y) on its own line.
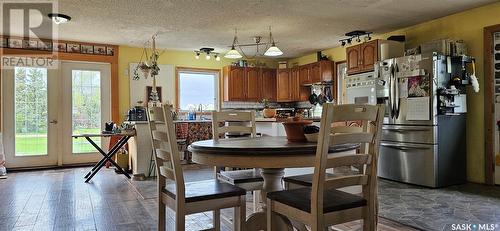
point(268, 83)
point(283, 86)
point(253, 83)
point(362, 57)
point(234, 83)
point(294, 84)
point(353, 55)
point(315, 72)
point(369, 51)
point(304, 77)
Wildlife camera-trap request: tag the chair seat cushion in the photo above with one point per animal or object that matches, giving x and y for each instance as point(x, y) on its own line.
point(333, 200)
point(205, 190)
point(240, 176)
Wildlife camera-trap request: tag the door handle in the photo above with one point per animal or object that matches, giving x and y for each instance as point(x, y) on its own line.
point(406, 129)
point(53, 121)
point(402, 147)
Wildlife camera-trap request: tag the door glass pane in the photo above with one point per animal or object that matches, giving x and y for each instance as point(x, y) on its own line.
point(196, 89)
point(30, 111)
point(86, 98)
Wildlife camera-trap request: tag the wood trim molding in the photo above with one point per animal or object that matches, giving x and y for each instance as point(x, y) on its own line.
point(489, 104)
point(66, 56)
point(194, 69)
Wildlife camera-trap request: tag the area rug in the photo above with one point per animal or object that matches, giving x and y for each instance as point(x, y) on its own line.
point(437, 209)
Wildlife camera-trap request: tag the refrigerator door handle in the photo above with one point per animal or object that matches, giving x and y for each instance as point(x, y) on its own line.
point(407, 129)
point(404, 147)
point(396, 85)
point(391, 94)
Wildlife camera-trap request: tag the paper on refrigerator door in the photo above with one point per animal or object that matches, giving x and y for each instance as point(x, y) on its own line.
point(403, 88)
point(418, 108)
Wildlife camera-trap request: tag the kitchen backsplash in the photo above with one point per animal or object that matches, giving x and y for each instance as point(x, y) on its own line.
point(258, 105)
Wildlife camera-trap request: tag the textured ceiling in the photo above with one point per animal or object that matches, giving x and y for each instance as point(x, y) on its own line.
point(299, 26)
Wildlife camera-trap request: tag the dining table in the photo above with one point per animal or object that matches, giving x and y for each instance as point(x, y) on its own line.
point(272, 154)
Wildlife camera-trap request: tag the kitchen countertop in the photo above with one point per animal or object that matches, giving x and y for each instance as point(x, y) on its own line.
point(279, 120)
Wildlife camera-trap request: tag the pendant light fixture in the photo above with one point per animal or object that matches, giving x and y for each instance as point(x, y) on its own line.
point(59, 18)
point(273, 50)
point(233, 53)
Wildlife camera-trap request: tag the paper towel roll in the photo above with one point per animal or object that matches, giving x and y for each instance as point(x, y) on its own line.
point(384, 51)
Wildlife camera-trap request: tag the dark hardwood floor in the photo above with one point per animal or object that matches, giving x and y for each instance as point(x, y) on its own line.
point(60, 200)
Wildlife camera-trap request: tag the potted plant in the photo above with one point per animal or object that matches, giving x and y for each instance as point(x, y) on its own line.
point(268, 112)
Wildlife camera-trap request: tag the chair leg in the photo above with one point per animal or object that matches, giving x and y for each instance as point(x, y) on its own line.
point(256, 200)
point(216, 219)
point(269, 215)
point(180, 221)
point(162, 208)
point(240, 215)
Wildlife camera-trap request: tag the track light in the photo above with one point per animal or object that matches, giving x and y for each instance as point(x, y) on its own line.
point(356, 35)
point(217, 58)
point(197, 56)
point(358, 40)
point(349, 41)
point(207, 56)
point(343, 43)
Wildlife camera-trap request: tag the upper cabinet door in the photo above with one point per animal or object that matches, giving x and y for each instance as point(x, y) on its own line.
point(283, 86)
point(326, 67)
point(314, 73)
point(369, 52)
point(294, 84)
point(304, 77)
point(353, 59)
point(268, 84)
point(252, 83)
point(237, 84)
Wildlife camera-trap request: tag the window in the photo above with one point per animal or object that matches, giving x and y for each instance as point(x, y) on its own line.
point(86, 107)
point(198, 87)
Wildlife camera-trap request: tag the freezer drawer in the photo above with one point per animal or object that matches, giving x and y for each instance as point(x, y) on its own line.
point(409, 133)
point(409, 163)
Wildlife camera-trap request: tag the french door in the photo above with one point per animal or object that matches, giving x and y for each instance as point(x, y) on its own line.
point(43, 107)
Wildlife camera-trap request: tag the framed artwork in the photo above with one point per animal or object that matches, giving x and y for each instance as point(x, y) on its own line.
point(100, 50)
point(110, 51)
point(3, 42)
point(44, 46)
point(87, 49)
point(73, 48)
point(148, 92)
point(60, 47)
point(30, 44)
point(15, 43)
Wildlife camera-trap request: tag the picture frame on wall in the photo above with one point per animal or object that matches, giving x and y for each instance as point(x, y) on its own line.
point(110, 51)
point(3, 42)
point(148, 93)
point(30, 44)
point(87, 49)
point(73, 48)
point(44, 45)
point(100, 50)
point(59, 47)
point(15, 43)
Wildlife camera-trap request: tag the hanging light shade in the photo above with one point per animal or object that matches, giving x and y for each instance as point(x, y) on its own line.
point(273, 51)
point(233, 54)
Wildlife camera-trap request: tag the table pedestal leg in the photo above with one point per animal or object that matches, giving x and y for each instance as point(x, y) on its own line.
point(272, 182)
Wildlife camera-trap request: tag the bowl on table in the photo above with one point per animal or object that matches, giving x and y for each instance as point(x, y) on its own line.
point(294, 129)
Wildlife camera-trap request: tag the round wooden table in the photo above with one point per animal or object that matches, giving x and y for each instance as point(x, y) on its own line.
point(270, 153)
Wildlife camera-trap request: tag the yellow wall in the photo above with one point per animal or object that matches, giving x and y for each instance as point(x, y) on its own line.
point(467, 25)
point(129, 55)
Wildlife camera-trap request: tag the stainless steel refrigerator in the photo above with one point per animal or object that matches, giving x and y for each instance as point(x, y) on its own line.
point(423, 136)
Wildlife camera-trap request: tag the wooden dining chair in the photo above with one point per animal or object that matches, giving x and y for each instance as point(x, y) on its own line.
point(305, 180)
point(323, 205)
point(248, 179)
point(191, 197)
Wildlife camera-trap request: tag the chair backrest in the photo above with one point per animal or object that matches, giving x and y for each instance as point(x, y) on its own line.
point(164, 141)
point(245, 117)
point(368, 136)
